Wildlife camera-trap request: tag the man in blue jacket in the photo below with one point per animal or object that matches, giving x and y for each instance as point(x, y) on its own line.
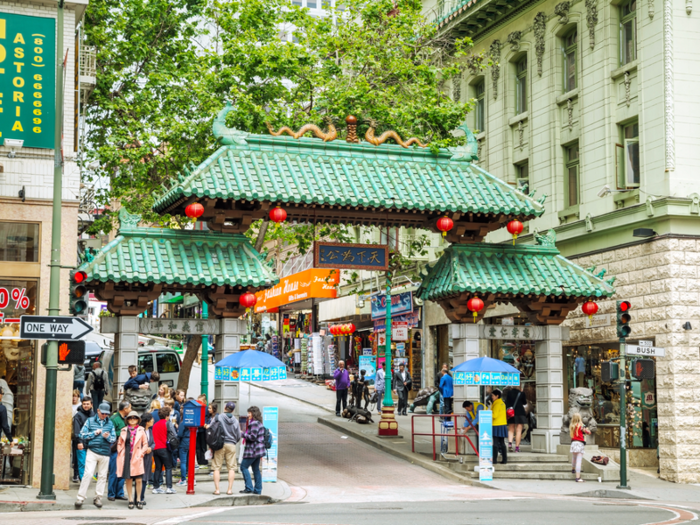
point(447, 392)
point(98, 434)
point(141, 381)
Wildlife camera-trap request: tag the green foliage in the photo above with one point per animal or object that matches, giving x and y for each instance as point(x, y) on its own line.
point(165, 67)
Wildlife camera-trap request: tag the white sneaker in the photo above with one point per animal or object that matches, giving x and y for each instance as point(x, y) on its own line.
point(158, 491)
point(171, 491)
point(182, 483)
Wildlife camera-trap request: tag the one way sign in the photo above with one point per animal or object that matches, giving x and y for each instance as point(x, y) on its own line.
point(53, 327)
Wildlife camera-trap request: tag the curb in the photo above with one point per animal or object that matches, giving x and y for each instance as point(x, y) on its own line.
point(414, 460)
point(32, 506)
point(237, 501)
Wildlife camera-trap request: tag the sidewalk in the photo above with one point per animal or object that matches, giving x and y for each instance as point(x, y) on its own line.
point(22, 498)
point(644, 484)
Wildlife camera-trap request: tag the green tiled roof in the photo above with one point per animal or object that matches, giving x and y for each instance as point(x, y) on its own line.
point(310, 171)
point(156, 255)
point(507, 269)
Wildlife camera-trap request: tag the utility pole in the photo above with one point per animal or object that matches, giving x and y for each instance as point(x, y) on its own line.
point(47, 454)
point(205, 355)
point(388, 425)
point(623, 331)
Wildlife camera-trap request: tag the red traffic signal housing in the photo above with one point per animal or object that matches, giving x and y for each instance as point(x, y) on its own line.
point(624, 306)
point(642, 369)
point(79, 276)
point(623, 319)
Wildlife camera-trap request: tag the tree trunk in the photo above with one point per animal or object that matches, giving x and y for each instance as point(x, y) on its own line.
point(261, 235)
point(191, 352)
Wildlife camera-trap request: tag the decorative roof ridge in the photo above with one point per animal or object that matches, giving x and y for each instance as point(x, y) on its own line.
point(516, 191)
point(505, 249)
point(224, 134)
point(129, 227)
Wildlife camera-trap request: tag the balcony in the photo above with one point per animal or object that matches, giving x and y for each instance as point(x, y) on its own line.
point(470, 18)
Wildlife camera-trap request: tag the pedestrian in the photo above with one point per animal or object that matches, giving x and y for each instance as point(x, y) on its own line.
point(402, 384)
point(447, 392)
point(183, 435)
point(516, 400)
point(76, 400)
point(379, 386)
point(4, 419)
point(147, 424)
point(500, 426)
point(96, 383)
point(161, 454)
point(140, 381)
point(578, 442)
point(163, 393)
point(154, 408)
point(83, 413)
point(342, 382)
point(115, 489)
point(232, 434)
point(79, 379)
point(471, 419)
point(254, 437)
point(201, 445)
point(132, 447)
point(98, 434)
point(174, 419)
point(179, 398)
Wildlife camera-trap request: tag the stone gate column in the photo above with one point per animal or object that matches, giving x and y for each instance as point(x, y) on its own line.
point(228, 342)
point(465, 346)
point(550, 388)
point(126, 351)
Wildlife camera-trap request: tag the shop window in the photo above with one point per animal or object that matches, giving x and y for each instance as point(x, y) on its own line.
point(569, 51)
point(390, 237)
point(628, 172)
point(145, 363)
point(480, 108)
point(571, 177)
point(521, 86)
point(19, 242)
point(628, 32)
point(167, 363)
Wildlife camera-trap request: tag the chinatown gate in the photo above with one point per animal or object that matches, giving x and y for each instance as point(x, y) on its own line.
point(327, 180)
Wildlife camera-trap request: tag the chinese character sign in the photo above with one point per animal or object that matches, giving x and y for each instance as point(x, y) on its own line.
point(252, 375)
point(486, 378)
point(27, 79)
point(351, 256)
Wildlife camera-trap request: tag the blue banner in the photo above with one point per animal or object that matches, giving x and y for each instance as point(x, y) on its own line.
point(252, 375)
point(486, 378)
point(368, 363)
point(401, 303)
point(485, 445)
point(269, 460)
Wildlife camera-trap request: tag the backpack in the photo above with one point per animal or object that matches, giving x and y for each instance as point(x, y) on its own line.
point(98, 382)
point(173, 440)
point(215, 434)
point(267, 438)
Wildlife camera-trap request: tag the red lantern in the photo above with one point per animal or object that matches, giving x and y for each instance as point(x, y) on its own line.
point(334, 329)
point(475, 305)
point(278, 215)
point(589, 308)
point(248, 300)
point(351, 328)
point(515, 228)
point(194, 210)
point(444, 224)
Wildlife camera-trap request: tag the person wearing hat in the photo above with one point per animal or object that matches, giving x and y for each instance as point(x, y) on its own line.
point(98, 434)
point(131, 449)
point(232, 435)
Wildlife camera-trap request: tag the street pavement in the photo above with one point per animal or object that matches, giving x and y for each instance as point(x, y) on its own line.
point(332, 478)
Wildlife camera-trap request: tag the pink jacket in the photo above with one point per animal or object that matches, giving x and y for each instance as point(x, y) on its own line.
point(140, 447)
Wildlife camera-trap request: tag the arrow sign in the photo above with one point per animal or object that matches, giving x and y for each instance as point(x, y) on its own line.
point(53, 327)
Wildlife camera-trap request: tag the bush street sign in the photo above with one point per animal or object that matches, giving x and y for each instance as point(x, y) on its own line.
point(650, 351)
point(53, 327)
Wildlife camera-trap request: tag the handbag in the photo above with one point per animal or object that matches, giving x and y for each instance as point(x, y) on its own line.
point(510, 412)
point(600, 460)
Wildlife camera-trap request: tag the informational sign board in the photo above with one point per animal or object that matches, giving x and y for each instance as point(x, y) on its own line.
point(401, 303)
point(369, 365)
point(53, 327)
point(485, 445)
point(269, 460)
point(27, 79)
point(596, 321)
point(252, 375)
point(399, 331)
point(486, 378)
point(351, 256)
point(648, 351)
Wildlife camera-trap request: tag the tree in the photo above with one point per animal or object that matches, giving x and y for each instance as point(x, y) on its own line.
point(193, 346)
point(165, 67)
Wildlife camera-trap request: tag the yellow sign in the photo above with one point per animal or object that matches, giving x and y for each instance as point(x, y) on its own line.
point(298, 287)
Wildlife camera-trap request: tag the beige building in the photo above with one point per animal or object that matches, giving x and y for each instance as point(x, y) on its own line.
point(26, 191)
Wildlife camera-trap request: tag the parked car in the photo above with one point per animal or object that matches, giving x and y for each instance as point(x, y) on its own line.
point(153, 357)
point(92, 354)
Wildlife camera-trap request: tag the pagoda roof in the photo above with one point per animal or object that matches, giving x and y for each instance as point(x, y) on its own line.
point(341, 182)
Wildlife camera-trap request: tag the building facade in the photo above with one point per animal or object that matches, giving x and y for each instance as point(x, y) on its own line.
point(28, 38)
point(591, 103)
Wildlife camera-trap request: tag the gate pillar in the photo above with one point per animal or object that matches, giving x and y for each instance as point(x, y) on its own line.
point(126, 351)
point(228, 342)
point(465, 346)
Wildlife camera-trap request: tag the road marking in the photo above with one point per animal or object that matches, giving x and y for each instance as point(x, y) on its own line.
point(680, 516)
point(180, 519)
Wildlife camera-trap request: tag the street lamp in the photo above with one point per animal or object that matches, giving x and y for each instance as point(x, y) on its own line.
point(388, 427)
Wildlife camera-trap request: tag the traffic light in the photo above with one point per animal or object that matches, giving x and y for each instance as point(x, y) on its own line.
point(609, 371)
point(78, 293)
point(642, 369)
point(623, 319)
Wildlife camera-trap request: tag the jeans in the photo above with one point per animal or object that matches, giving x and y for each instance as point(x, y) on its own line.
point(97, 397)
point(184, 455)
point(380, 400)
point(499, 443)
point(403, 401)
point(116, 485)
point(163, 458)
point(255, 463)
point(447, 408)
point(81, 462)
point(74, 462)
point(94, 462)
point(341, 396)
point(80, 385)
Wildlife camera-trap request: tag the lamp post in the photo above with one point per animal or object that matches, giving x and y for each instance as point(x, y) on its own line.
point(388, 427)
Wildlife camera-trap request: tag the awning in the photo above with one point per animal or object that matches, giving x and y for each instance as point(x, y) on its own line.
point(178, 299)
point(340, 308)
point(312, 283)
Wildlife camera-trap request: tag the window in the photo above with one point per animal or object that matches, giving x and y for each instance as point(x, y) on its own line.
point(629, 174)
point(145, 363)
point(480, 109)
point(628, 32)
point(389, 236)
point(522, 172)
point(571, 176)
point(167, 363)
point(311, 4)
point(569, 50)
point(297, 2)
point(521, 86)
point(19, 242)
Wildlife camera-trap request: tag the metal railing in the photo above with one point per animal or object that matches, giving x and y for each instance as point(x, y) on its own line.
point(444, 436)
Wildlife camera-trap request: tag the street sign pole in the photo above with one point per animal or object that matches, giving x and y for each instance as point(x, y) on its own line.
point(205, 355)
point(623, 416)
point(47, 453)
point(388, 425)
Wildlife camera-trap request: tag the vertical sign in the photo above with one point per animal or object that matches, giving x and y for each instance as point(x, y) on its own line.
point(269, 460)
point(368, 363)
point(27, 79)
point(485, 445)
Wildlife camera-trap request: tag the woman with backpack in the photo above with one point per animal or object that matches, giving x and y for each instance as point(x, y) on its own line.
point(254, 437)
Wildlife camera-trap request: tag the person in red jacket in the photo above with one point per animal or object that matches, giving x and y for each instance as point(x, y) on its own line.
point(161, 454)
point(578, 441)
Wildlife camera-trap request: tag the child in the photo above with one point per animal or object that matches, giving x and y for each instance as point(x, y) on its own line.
point(141, 380)
point(132, 374)
point(578, 441)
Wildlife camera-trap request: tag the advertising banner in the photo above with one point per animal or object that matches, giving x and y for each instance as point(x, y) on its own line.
point(298, 287)
point(252, 375)
point(268, 465)
point(369, 365)
point(401, 303)
point(485, 445)
point(486, 378)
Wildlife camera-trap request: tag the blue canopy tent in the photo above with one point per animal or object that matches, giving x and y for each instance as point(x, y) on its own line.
point(486, 371)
